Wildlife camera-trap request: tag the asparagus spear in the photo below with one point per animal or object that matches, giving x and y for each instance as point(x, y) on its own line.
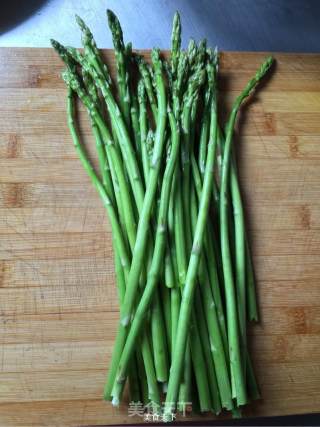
point(134, 114)
point(96, 70)
point(205, 337)
point(159, 335)
point(74, 85)
point(175, 44)
point(232, 319)
point(145, 212)
point(71, 78)
point(143, 128)
point(251, 290)
point(121, 62)
point(165, 293)
point(150, 193)
point(187, 298)
point(90, 49)
point(212, 305)
point(125, 144)
point(145, 74)
point(159, 248)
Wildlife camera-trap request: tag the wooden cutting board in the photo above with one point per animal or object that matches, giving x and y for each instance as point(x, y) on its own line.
point(58, 305)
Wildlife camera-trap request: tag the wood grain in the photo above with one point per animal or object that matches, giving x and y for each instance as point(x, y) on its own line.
point(58, 303)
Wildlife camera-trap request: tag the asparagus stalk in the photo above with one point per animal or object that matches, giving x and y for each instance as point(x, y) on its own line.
point(160, 350)
point(154, 271)
point(212, 305)
point(253, 314)
point(205, 343)
point(143, 129)
point(134, 114)
point(175, 44)
point(97, 117)
point(90, 49)
point(134, 390)
point(179, 234)
point(195, 83)
point(145, 74)
point(186, 304)
point(121, 62)
point(165, 293)
point(133, 171)
point(119, 240)
point(89, 63)
point(210, 263)
point(240, 265)
point(145, 213)
point(201, 344)
point(159, 334)
point(103, 161)
point(232, 319)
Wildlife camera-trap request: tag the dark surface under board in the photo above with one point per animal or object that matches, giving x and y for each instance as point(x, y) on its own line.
point(248, 25)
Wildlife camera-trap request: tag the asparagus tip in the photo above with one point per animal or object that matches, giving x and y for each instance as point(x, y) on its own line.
point(111, 15)
point(80, 22)
point(192, 51)
point(176, 26)
point(155, 57)
point(56, 45)
point(263, 69)
point(270, 60)
point(116, 30)
point(191, 45)
point(63, 53)
point(176, 17)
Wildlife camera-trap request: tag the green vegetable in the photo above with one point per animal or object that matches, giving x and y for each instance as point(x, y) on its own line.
point(231, 303)
point(168, 178)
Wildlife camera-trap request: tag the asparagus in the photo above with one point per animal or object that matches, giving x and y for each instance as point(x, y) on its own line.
point(205, 342)
point(159, 342)
point(232, 319)
point(240, 265)
point(121, 62)
point(179, 234)
point(145, 74)
point(145, 213)
point(131, 223)
point(186, 304)
point(134, 114)
point(154, 271)
point(91, 50)
point(150, 193)
point(251, 291)
point(143, 129)
point(210, 264)
point(175, 44)
point(161, 337)
point(166, 305)
point(185, 297)
point(74, 85)
point(96, 71)
point(137, 241)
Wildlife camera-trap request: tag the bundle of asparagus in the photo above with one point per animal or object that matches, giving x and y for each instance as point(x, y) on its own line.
point(168, 180)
